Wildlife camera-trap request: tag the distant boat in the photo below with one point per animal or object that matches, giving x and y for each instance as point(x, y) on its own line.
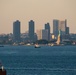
point(28, 44)
point(37, 46)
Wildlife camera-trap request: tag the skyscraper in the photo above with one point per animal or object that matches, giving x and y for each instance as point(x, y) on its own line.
point(39, 34)
point(16, 31)
point(31, 30)
point(47, 27)
point(59, 26)
point(45, 34)
point(55, 28)
point(65, 22)
point(67, 30)
point(62, 27)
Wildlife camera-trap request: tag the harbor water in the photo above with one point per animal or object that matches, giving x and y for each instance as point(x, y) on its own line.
point(46, 60)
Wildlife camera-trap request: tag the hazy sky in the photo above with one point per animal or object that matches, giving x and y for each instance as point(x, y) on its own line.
point(41, 11)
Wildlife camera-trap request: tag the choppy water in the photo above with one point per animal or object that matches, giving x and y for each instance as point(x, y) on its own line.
point(27, 60)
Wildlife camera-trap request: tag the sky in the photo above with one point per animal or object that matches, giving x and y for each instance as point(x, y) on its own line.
point(41, 11)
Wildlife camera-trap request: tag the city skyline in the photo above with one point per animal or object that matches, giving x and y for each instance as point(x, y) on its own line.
point(38, 10)
point(35, 30)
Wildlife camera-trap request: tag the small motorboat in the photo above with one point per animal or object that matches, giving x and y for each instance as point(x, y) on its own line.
point(37, 46)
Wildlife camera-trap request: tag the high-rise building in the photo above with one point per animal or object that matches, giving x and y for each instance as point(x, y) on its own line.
point(67, 30)
point(47, 27)
point(55, 28)
point(62, 27)
point(16, 31)
point(45, 34)
point(59, 26)
point(65, 22)
point(42, 34)
point(31, 30)
point(39, 34)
